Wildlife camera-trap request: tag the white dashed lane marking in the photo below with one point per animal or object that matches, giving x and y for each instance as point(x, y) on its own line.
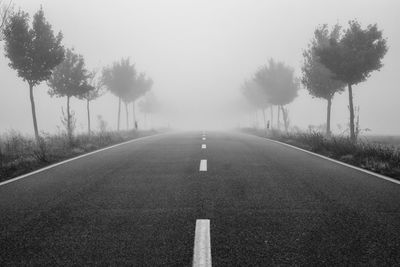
point(202, 244)
point(203, 146)
point(203, 165)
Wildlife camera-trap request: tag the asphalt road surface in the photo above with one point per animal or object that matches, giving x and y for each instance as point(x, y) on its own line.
point(137, 204)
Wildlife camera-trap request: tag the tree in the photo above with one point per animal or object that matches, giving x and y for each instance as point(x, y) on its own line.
point(149, 105)
point(255, 96)
point(141, 85)
point(93, 91)
point(317, 78)
point(69, 79)
point(353, 57)
point(119, 80)
point(279, 84)
point(33, 52)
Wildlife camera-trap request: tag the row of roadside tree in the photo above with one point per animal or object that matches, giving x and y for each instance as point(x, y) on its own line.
point(38, 55)
point(334, 59)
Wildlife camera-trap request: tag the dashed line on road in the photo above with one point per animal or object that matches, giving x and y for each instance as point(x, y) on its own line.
point(204, 139)
point(203, 146)
point(202, 244)
point(203, 165)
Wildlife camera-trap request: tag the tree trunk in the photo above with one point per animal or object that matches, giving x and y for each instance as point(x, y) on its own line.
point(351, 107)
point(279, 119)
point(272, 117)
point(328, 117)
point(35, 127)
point(256, 124)
point(134, 115)
point(285, 116)
point(69, 130)
point(127, 116)
point(88, 115)
point(265, 120)
point(119, 113)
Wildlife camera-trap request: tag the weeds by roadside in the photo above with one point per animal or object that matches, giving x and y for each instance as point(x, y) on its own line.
point(20, 154)
point(376, 157)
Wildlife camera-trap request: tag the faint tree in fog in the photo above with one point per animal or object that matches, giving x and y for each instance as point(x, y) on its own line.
point(256, 97)
point(119, 80)
point(33, 52)
point(5, 11)
point(280, 85)
point(69, 79)
point(353, 57)
point(149, 105)
point(141, 86)
point(93, 91)
point(317, 78)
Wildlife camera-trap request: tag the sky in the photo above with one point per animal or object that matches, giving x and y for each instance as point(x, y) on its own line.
point(199, 52)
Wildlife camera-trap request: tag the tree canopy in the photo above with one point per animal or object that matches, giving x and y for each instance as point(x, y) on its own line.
point(354, 56)
point(70, 78)
point(149, 104)
point(120, 78)
point(254, 95)
point(278, 82)
point(33, 52)
point(317, 78)
point(141, 86)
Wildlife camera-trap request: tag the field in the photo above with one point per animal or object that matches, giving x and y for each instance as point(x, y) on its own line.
point(391, 140)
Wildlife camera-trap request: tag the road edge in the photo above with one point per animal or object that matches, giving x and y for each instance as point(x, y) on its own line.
point(387, 178)
point(74, 158)
point(377, 175)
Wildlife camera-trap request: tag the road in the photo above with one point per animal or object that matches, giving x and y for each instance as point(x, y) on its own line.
point(137, 204)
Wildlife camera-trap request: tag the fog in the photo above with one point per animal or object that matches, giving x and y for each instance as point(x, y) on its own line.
point(199, 53)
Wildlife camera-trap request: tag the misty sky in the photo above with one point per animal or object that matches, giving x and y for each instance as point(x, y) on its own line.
point(198, 54)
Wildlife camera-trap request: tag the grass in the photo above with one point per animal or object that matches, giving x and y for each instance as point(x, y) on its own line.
point(20, 154)
point(380, 157)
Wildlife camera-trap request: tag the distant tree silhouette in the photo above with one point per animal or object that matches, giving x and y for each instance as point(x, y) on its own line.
point(317, 78)
point(149, 105)
point(141, 86)
point(279, 84)
point(353, 57)
point(70, 79)
point(33, 52)
point(119, 79)
point(255, 96)
point(93, 91)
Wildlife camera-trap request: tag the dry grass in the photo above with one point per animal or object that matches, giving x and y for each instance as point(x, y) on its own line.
point(20, 154)
point(380, 157)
